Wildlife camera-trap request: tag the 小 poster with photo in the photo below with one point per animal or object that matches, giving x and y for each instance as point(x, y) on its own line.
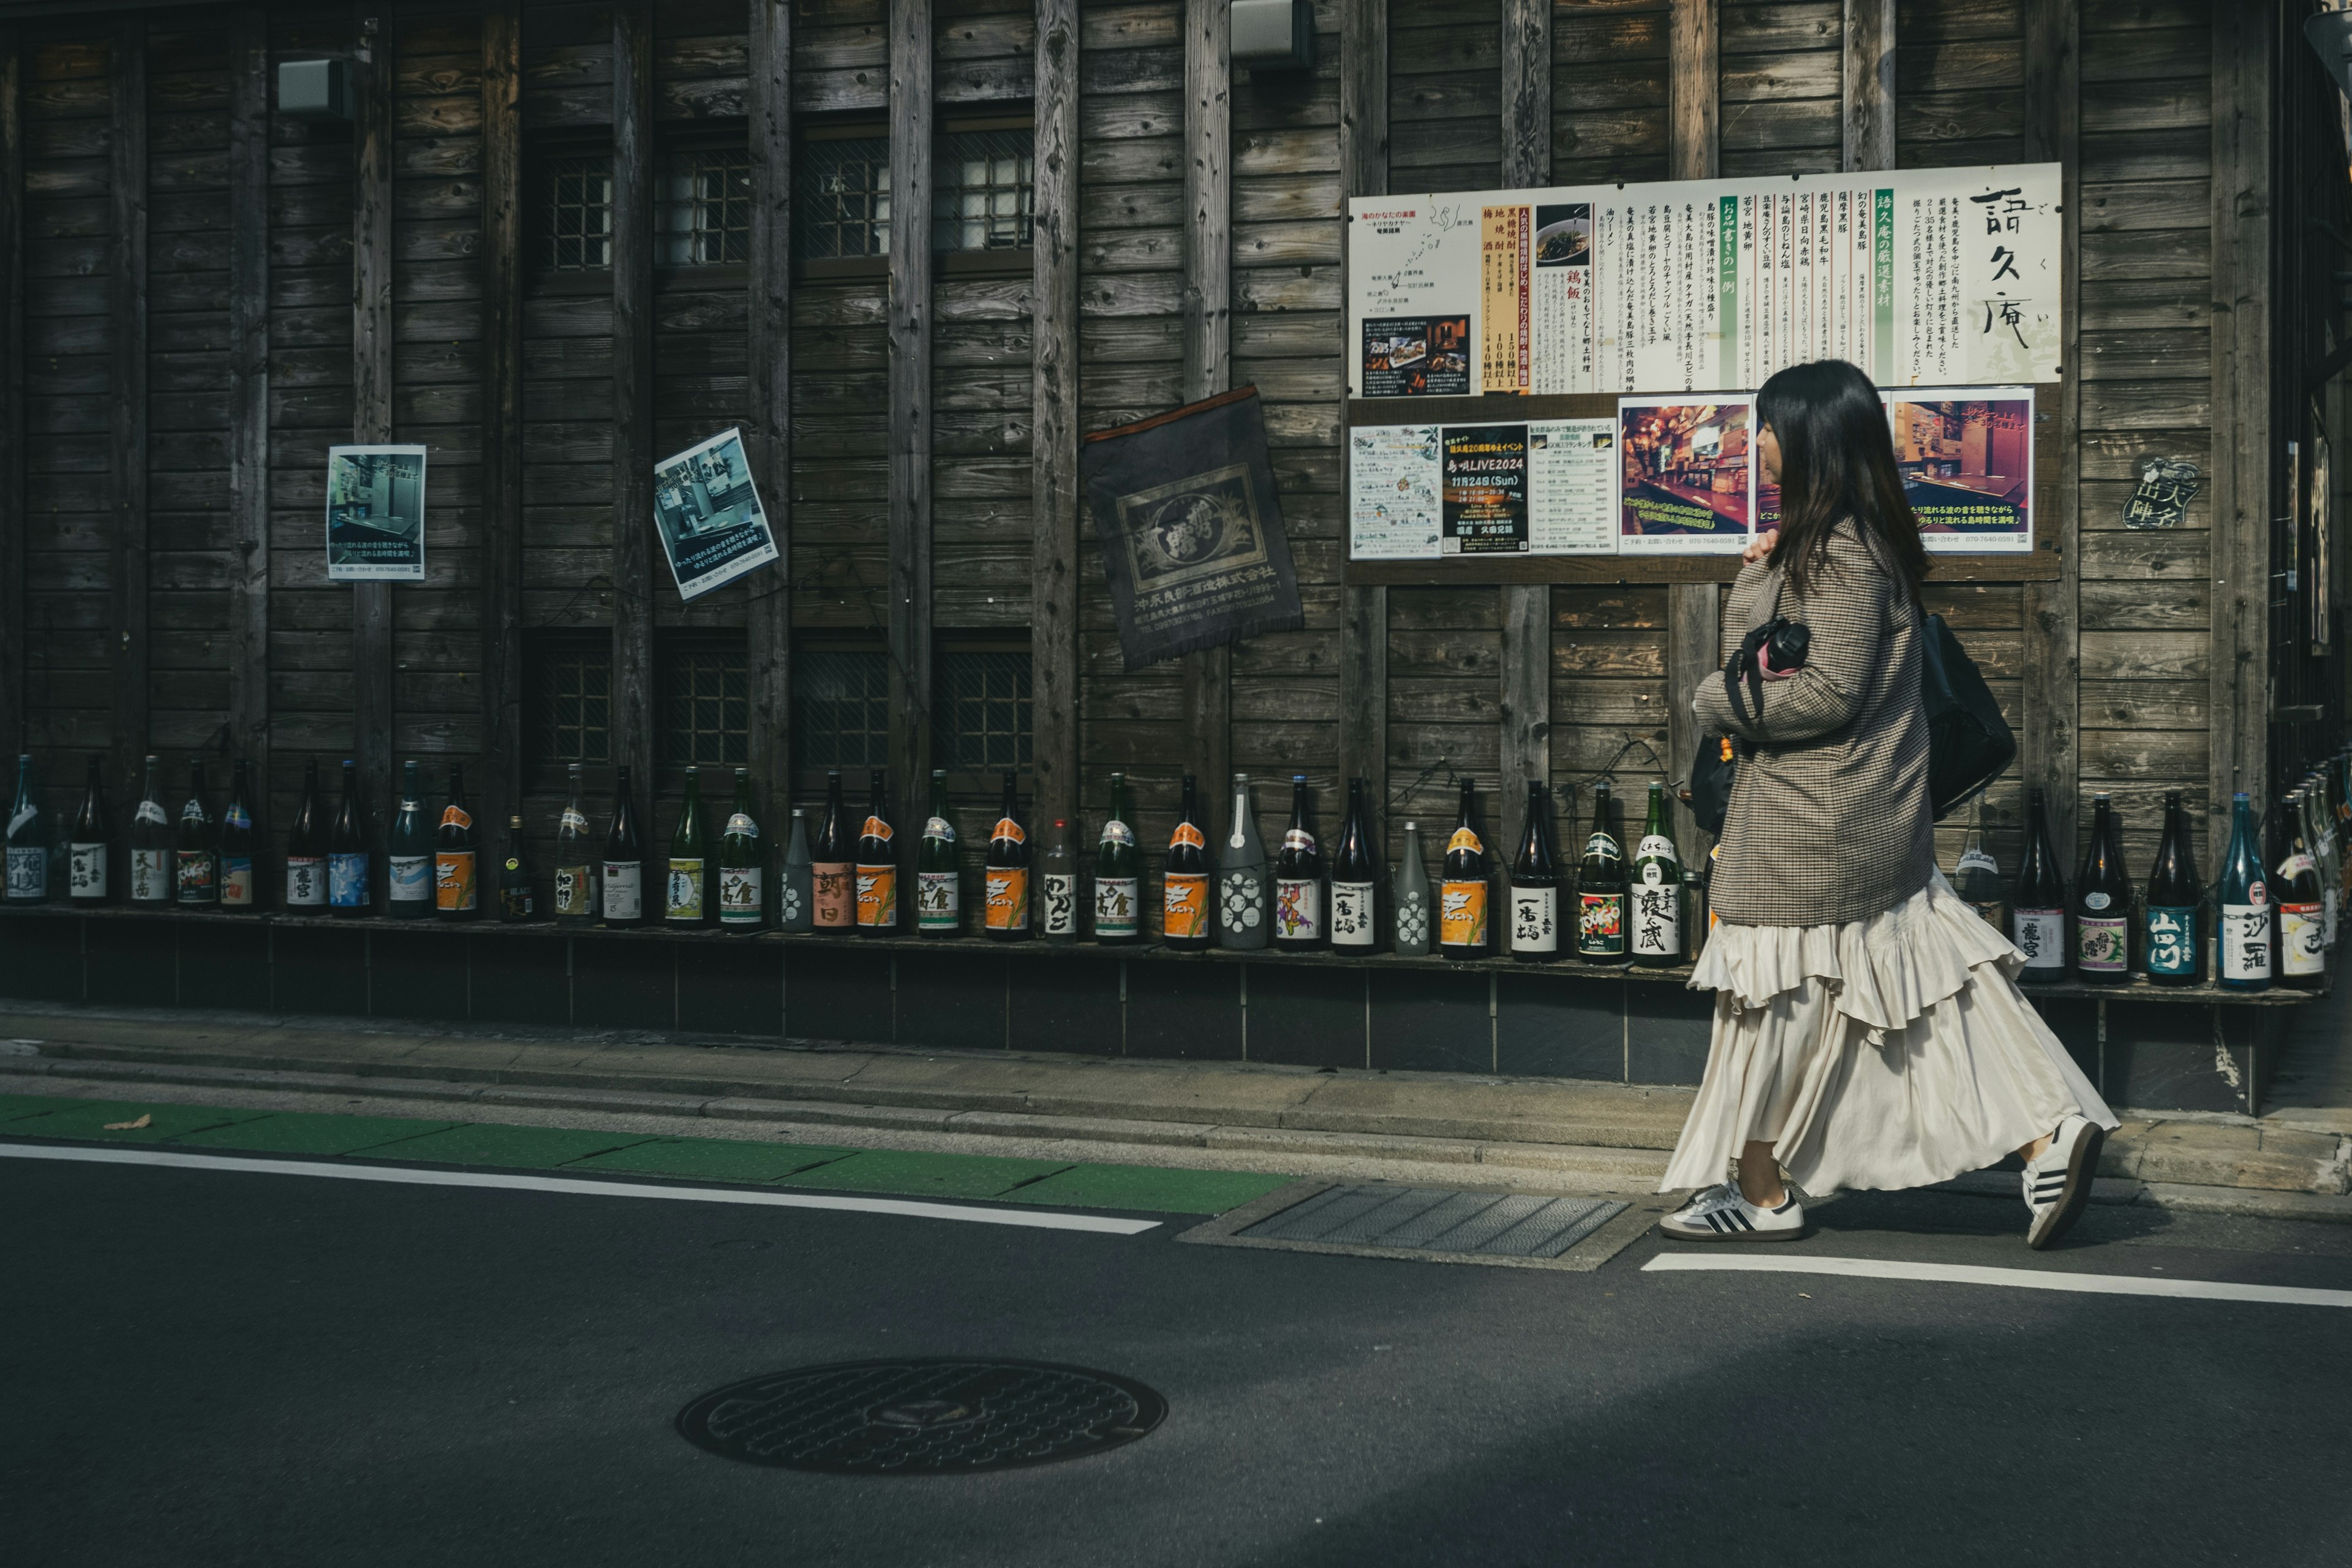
point(712, 526)
point(1418, 356)
point(1485, 493)
point(1686, 476)
point(376, 514)
point(1967, 459)
point(1572, 486)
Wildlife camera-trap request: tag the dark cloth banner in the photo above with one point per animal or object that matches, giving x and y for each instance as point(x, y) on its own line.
point(1191, 528)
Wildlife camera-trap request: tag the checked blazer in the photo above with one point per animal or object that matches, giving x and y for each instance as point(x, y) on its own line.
point(1829, 820)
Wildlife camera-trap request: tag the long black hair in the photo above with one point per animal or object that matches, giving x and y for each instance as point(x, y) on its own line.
point(1837, 461)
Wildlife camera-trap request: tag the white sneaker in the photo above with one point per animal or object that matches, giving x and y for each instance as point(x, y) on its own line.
point(2058, 1181)
point(1720, 1214)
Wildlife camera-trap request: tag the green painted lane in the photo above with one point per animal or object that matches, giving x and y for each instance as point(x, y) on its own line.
point(309, 1132)
point(493, 1143)
point(1148, 1187)
point(712, 1159)
point(927, 1175)
point(113, 1121)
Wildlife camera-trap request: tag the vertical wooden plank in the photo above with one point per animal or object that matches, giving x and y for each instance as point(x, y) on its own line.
point(633, 393)
point(1693, 619)
point(1053, 406)
point(1208, 344)
point(909, 619)
point(372, 349)
point(1364, 612)
point(767, 612)
point(126, 306)
point(2047, 751)
point(1869, 81)
point(1526, 709)
point(13, 728)
point(249, 384)
point(2245, 44)
point(502, 649)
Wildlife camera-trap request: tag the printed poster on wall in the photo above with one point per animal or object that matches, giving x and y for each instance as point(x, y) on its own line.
point(1687, 484)
point(1393, 478)
point(1421, 492)
point(376, 514)
point(712, 526)
point(1967, 459)
point(1485, 489)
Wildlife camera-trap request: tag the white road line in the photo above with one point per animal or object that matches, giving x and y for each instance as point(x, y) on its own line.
point(2020, 1279)
point(1043, 1219)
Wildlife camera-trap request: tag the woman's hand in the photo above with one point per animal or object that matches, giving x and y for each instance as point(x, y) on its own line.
point(1762, 545)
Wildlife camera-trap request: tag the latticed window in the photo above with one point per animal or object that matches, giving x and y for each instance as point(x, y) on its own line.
point(706, 708)
point(841, 708)
point(571, 697)
point(983, 186)
point(705, 215)
point(841, 197)
point(577, 214)
point(981, 711)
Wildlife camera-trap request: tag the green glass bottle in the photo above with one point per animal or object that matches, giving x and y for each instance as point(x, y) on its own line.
point(939, 904)
point(198, 866)
point(234, 855)
point(410, 878)
point(515, 900)
point(457, 856)
point(28, 843)
point(742, 864)
point(1601, 887)
point(1654, 901)
point(689, 858)
point(1118, 874)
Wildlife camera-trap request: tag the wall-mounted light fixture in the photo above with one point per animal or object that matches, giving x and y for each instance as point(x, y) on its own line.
point(314, 89)
point(1274, 37)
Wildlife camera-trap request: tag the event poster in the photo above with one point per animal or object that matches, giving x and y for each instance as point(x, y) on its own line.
point(1421, 492)
point(712, 526)
point(1485, 498)
point(1393, 480)
point(1687, 481)
point(376, 514)
point(1967, 459)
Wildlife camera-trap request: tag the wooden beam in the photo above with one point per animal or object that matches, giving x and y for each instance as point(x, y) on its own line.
point(909, 618)
point(1363, 610)
point(371, 351)
point(2047, 749)
point(1869, 73)
point(632, 397)
point(126, 307)
point(768, 610)
point(15, 728)
point(2245, 46)
point(502, 437)
point(1208, 298)
point(1525, 708)
point(1053, 410)
point(248, 384)
point(1693, 617)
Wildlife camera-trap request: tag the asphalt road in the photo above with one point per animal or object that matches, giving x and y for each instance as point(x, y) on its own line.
point(207, 1368)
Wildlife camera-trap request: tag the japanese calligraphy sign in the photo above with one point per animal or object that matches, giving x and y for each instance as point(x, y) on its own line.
point(2167, 485)
point(1923, 276)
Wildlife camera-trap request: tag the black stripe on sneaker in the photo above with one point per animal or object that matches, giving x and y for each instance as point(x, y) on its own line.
point(1741, 1216)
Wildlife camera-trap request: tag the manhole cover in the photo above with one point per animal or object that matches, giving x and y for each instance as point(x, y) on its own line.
point(921, 1417)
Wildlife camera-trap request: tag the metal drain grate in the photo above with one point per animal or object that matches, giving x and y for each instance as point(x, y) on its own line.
point(1430, 1219)
point(921, 1416)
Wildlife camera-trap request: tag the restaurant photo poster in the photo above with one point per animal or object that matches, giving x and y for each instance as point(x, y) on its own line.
point(1685, 481)
point(376, 514)
point(713, 528)
point(1967, 459)
point(1190, 524)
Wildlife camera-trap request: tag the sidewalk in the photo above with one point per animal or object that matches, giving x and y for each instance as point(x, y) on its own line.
point(1529, 1135)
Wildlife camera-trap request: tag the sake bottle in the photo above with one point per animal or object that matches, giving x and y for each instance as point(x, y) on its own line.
point(1004, 888)
point(1118, 875)
point(796, 900)
point(1355, 911)
point(93, 831)
point(515, 901)
point(2174, 896)
point(1601, 887)
point(349, 893)
point(1242, 883)
point(1976, 877)
point(575, 858)
point(2245, 935)
point(306, 849)
point(1535, 886)
point(234, 853)
point(153, 864)
point(28, 841)
point(686, 891)
point(1057, 874)
point(832, 867)
point(743, 863)
point(1653, 896)
point(2302, 962)
point(2315, 840)
point(2038, 913)
point(1410, 897)
point(409, 875)
point(877, 863)
point(1184, 880)
point(194, 858)
point(1463, 892)
point(457, 856)
point(939, 892)
point(2103, 902)
point(1298, 879)
point(621, 872)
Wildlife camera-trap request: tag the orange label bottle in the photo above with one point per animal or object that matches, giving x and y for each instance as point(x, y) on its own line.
point(1006, 902)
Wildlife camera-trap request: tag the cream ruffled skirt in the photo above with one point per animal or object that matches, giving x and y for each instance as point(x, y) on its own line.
point(1890, 1052)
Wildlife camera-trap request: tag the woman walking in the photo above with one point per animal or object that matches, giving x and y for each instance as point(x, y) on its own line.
point(1868, 1027)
